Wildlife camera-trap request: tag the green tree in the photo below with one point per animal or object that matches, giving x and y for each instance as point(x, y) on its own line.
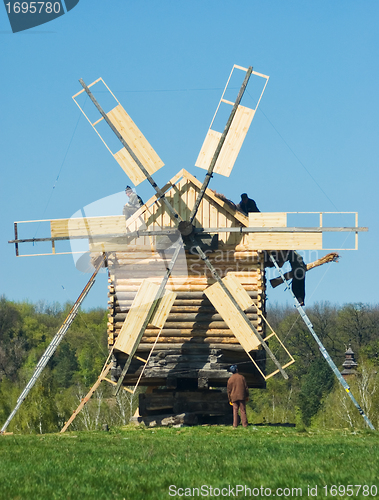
point(315, 385)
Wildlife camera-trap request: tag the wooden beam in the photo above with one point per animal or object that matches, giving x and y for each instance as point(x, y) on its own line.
point(87, 397)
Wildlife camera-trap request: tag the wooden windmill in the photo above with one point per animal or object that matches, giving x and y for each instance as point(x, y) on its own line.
point(186, 272)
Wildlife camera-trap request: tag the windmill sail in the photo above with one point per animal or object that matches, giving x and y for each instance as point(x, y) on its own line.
point(235, 137)
point(132, 136)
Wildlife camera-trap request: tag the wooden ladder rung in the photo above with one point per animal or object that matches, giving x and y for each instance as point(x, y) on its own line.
point(97, 121)
point(288, 364)
point(269, 336)
point(277, 371)
point(115, 383)
point(141, 359)
point(227, 102)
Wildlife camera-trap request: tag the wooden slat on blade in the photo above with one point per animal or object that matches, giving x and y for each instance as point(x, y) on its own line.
point(164, 308)
point(138, 313)
point(129, 166)
point(268, 219)
point(283, 241)
point(135, 140)
point(232, 317)
point(237, 290)
point(232, 145)
point(234, 140)
point(83, 226)
point(208, 149)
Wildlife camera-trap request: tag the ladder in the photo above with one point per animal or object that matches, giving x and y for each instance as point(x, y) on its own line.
point(324, 352)
point(55, 342)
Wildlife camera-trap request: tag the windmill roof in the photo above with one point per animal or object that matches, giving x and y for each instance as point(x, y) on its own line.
point(210, 196)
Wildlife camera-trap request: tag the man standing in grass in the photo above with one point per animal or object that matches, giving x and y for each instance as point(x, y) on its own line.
point(238, 394)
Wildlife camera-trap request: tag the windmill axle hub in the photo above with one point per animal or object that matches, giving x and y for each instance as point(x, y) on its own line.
point(185, 227)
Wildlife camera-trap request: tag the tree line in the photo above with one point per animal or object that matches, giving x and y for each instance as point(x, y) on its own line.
point(311, 396)
point(25, 332)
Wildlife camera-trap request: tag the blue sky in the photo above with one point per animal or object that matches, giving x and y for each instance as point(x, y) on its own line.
point(312, 146)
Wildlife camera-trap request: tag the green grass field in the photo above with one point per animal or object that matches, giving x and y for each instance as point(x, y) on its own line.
point(136, 463)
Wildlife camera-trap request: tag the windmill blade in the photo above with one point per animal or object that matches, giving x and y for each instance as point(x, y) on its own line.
point(238, 323)
point(150, 313)
point(218, 297)
point(235, 309)
point(128, 130)
point(236, 133)
point(138, 312)
point(215, 141)
point(141, 156)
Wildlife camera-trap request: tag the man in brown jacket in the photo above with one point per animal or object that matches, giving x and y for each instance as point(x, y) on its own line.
point(238, 394)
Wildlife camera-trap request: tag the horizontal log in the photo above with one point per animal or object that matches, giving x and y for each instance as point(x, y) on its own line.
point(186, 318)
point(146, 250)
point(191, 333)
point(195, 340)
point(189, 287)
point(185, 280)
point(232, 348)
point(185, 333)
point(184, 296)
point(206, 280)
point(197, 309)
point(124, 307)
point(190, 325)
point(188, 332)
point(192, 269)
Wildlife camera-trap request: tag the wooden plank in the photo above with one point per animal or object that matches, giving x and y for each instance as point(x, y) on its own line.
point(239, 293)
point(84, 226)
point(234, 140)
point(232, 144)
point(206, 212)
point(85, 400)
point(232, 317)
point(240, 67)
point(135, 140)
point(283, 241)
point(227, 102)
point(191, 196)
point(97, 121)
point(138, 313)
point(268, 219)
point(208, 149)
point(129, 166)
point(160, 315)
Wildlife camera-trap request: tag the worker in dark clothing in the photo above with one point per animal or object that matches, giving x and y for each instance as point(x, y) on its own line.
point(299, 269)
point(238, 394)
point(133, 204)
point(247, 205)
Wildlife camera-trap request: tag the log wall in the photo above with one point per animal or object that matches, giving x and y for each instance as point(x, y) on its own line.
point(194, 340)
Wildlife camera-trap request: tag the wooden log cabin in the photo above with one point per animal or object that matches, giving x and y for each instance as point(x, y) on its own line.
point(195, 347)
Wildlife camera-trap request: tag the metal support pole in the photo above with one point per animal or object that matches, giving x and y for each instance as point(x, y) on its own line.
point(324, 352)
